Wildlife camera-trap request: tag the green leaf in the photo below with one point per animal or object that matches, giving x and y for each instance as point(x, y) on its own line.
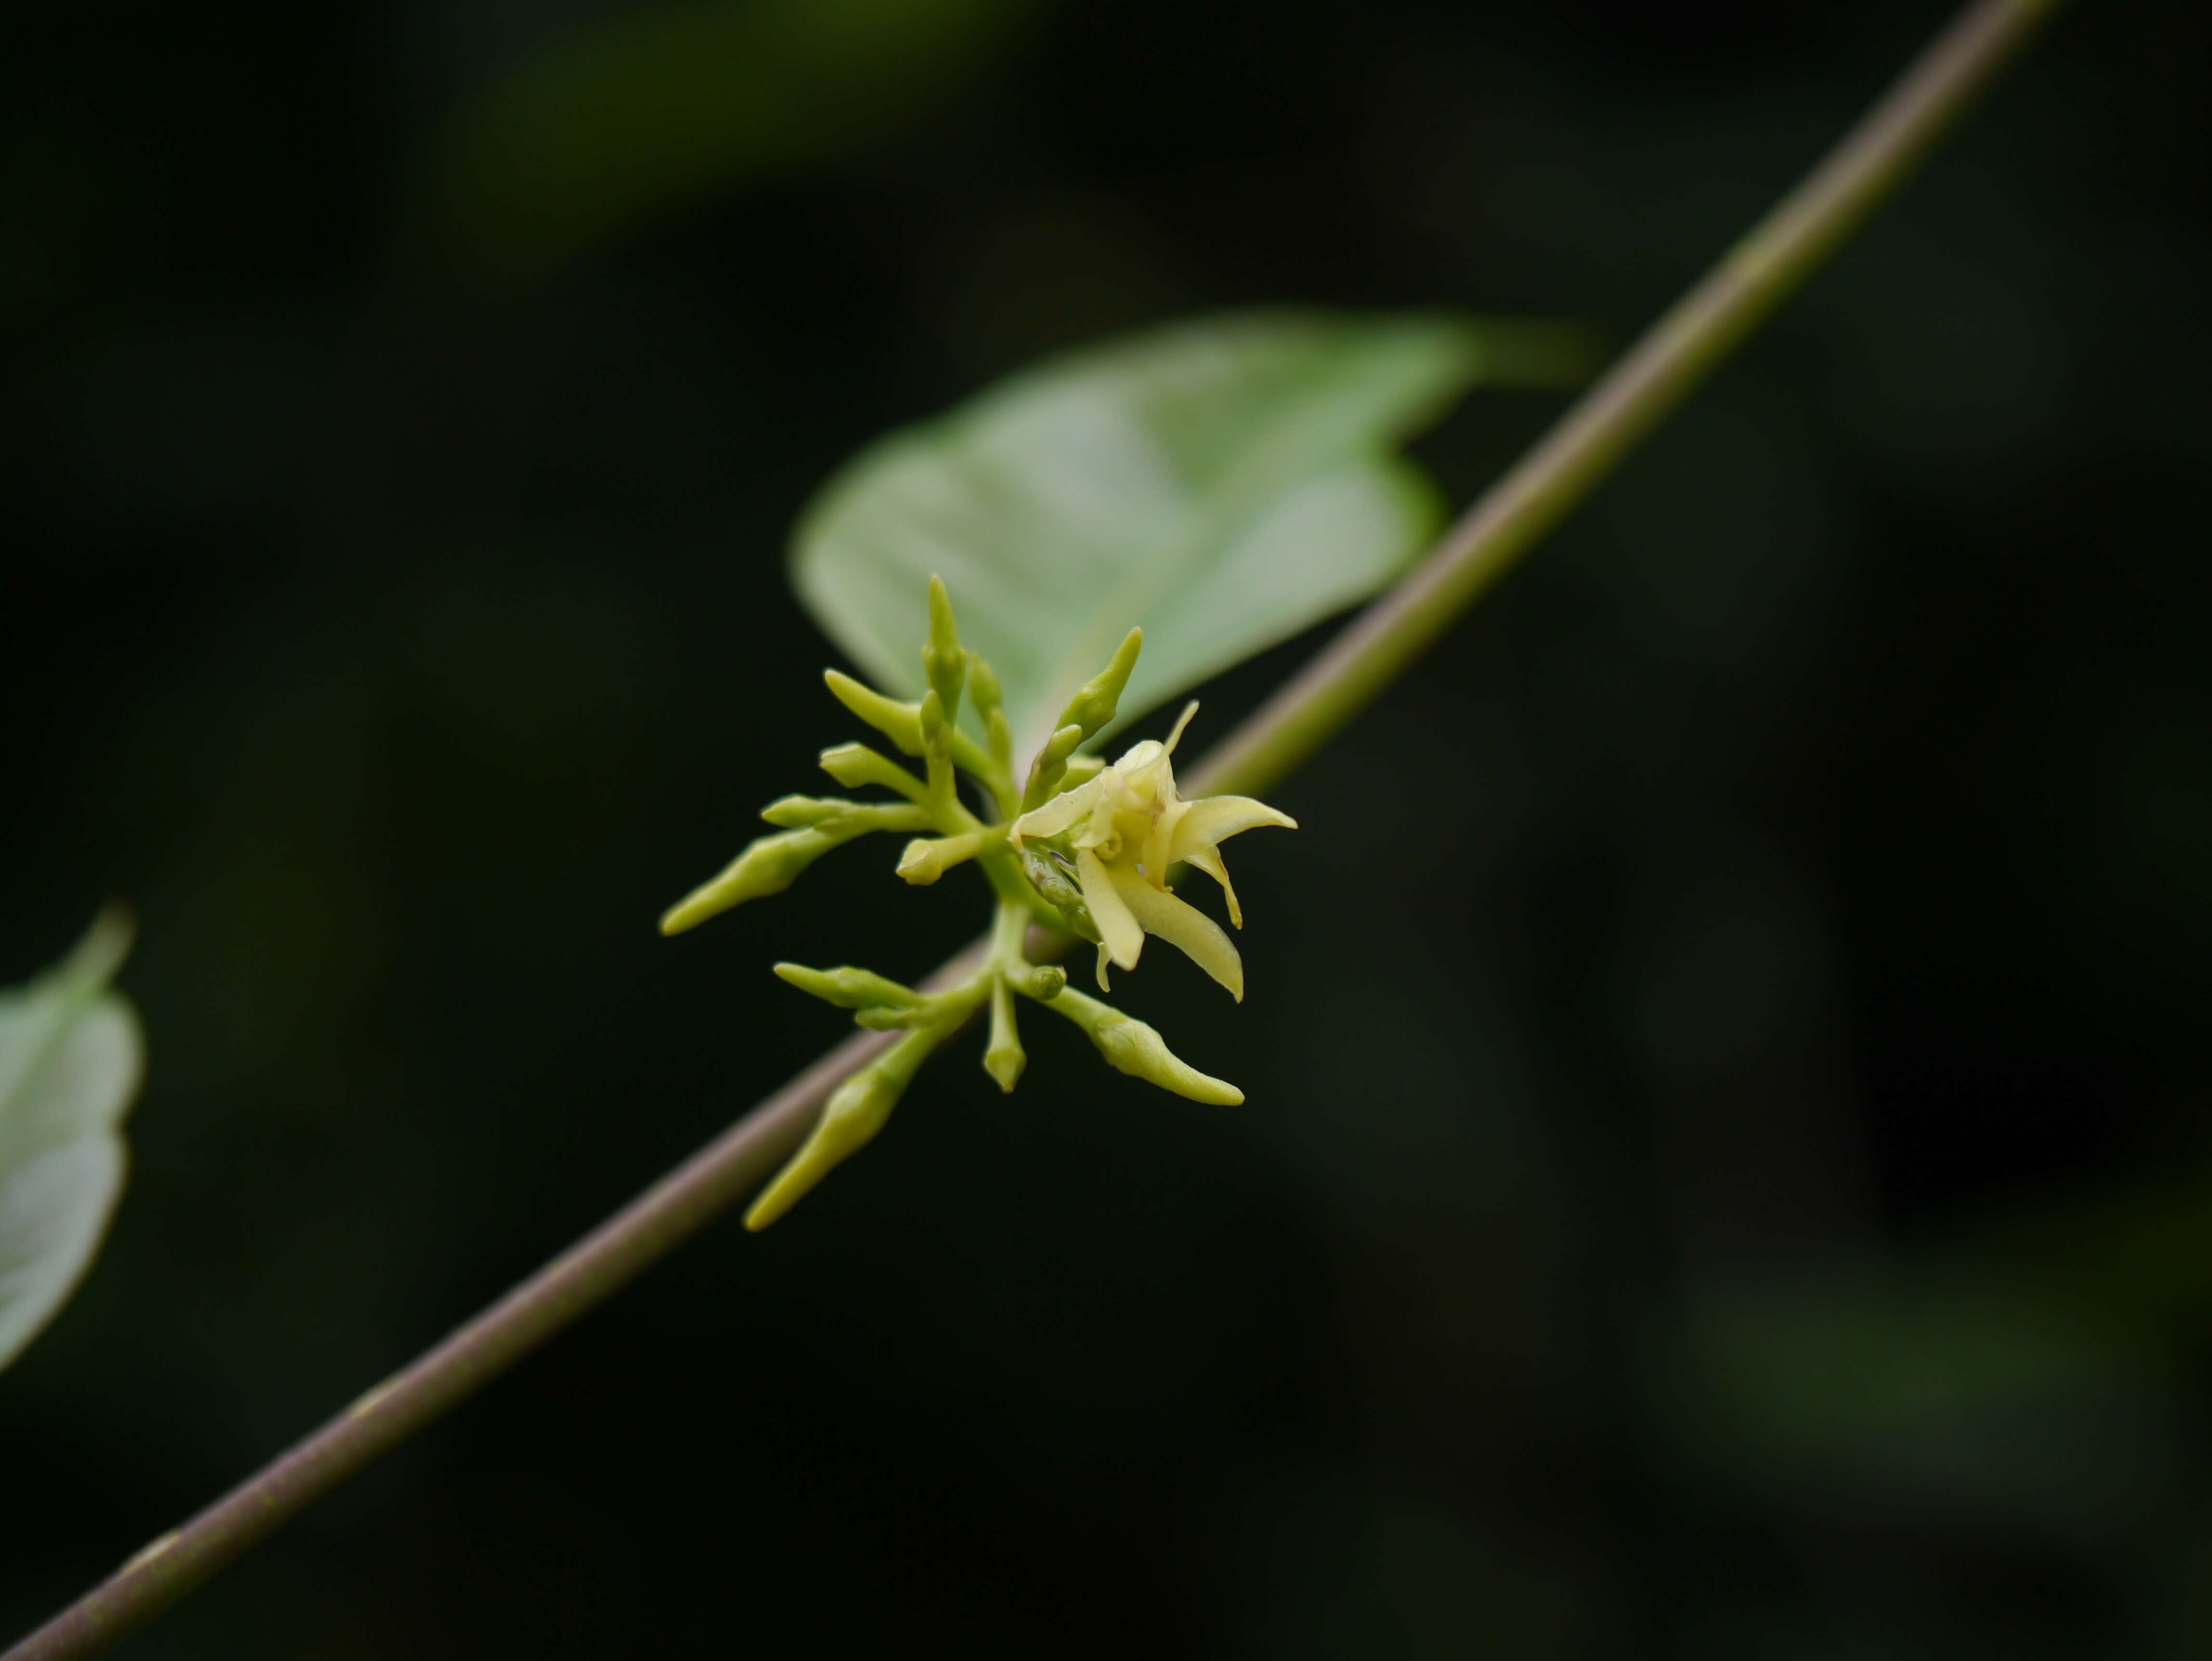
point(70, 1058)
point(1222, 483)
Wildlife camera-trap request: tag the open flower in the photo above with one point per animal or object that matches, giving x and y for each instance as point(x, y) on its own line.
point(1126, 829)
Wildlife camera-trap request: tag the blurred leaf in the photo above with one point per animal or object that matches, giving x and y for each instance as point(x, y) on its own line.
point(1223, 482)
point(1950, 1394)
point(651, 110)
point(2134, 1254)
point(70, 1064)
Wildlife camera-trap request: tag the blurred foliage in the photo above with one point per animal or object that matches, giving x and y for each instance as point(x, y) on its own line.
point(70, 1058)
point(651, 110)
point(1722, 1176)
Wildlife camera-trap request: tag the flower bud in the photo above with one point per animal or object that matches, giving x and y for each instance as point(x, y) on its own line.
point(793, 812)
point(850, 1119)
point(983, 685)
point(1043, 983)
point(1057, 889)
point(926, 860)
point(847, 988)
point(1093, 705)
point(1050, 766)
point(943, 665)
point(1005, 1058)
point(899, 722)
point(769, 865)
point(1130, 1046)
point(937, 745)
point(855, 764)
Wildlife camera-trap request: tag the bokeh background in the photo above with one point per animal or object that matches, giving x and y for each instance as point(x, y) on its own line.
point(1727, 1171)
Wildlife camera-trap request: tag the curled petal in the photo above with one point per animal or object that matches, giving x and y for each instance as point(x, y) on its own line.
point(1181, 925)
point(1182, 722)
point(1119, 930)
point(1208, 859)
point(1213, 819)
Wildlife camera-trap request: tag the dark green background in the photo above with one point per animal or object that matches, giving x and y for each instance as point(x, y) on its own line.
point(1726, 1171)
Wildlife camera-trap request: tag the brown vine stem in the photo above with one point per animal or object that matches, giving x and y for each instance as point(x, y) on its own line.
point(1678, 352)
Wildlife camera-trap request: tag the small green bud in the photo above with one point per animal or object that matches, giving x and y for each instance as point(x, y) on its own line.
point(1058, 889)
point(983, 686)
point(927, 860)
point(1044, 982)
point(937, 745)
point(997, 732)
point(1004, 1059)
point(849, 1121)
point(943, 665)
point(848, 988)
point(1131, 1047)
point(793, 812)
point(1092, 706)
point(1050, 766)
point(769, 865)
point(899, 722)
point(855, 764)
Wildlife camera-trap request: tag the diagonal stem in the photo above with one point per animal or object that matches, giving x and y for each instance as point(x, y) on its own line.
point(1671, 359)
point(1674, 354)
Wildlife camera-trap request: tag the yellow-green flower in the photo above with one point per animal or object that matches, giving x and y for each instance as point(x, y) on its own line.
point(1129, 828)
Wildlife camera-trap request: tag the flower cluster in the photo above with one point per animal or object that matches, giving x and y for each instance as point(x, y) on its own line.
point(1081, 847)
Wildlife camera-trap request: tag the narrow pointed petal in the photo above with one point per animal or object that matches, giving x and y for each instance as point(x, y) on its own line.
point(1213, 819)
point(1182, 722)
point(1119, 930)
point(1058, 814)
point(1182, 926)
point(1154, 854)
point(1105, 958)
point(1209, 860)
